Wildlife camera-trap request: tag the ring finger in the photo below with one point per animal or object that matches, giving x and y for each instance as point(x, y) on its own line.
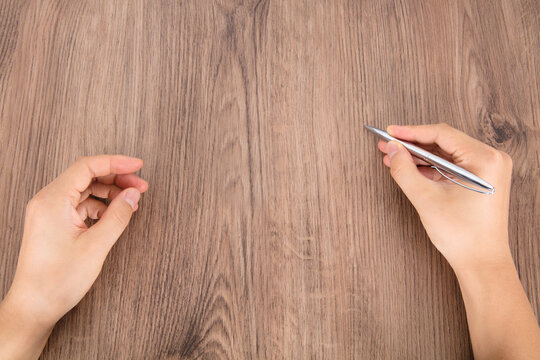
point(100, 190)
point(91, 208)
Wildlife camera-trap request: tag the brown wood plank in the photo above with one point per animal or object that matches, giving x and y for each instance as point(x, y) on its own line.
point(271, 228)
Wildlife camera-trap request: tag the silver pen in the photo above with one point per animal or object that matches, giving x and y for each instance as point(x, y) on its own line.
point(440, 164)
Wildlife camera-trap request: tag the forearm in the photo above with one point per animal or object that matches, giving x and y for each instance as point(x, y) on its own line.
point(501, 322)
point(21, 335)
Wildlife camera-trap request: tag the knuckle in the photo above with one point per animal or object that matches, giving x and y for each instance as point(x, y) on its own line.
point(118, 219)
point(396, 171)
point(35, 204)
point(82, 164)
point(121, 216)
point(79, 164)
point(495, 156)
point(443, 126)
point(31, 206)
point(507, 161)
point(499, 158)
point(35, 201)
point(81, 160)
point(506, 158)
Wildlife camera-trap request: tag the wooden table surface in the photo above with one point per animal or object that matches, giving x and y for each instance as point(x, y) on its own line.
point(271, 229)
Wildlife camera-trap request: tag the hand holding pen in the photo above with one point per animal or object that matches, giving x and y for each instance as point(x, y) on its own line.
point(61, 257)
point(471, 232)
point(458, 221)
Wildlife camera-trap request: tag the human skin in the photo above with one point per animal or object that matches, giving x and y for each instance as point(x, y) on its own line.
point(471, 232)
point(60, 257)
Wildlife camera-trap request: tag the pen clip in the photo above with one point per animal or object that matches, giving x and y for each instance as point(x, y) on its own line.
point(440, 171)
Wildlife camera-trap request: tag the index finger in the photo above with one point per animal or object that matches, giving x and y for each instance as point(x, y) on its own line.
point(78, 176)
point(461, 147)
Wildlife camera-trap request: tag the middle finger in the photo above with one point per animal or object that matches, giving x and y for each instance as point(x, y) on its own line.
point(124, 181)
point(101, 191)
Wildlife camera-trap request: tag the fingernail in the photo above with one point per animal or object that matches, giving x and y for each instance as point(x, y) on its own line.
point(390, 129)
point(391, 149)
point(132, 196)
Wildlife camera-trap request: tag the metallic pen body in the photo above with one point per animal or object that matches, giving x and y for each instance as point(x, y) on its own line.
point(435, 160)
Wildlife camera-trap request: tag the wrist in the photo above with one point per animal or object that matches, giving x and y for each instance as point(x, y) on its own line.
point(501, 321)
point(480, 255)
point(481, 273)
point(22, 336)
point(19, 310)
point(485, 268)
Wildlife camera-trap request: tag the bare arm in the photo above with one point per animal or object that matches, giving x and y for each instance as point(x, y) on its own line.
point(501, 322)
point(60, 257)
point(471, 231)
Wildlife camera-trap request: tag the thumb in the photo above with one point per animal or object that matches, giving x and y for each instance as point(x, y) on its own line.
point(404, 171)
point(115, 219)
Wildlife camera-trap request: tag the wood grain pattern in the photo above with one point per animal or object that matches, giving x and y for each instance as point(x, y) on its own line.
point(271, 229)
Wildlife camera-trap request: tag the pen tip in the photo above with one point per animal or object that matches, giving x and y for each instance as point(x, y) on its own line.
point(372, 129)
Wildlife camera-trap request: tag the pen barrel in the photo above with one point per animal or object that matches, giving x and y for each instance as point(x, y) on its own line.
point(435, 160)
point(445, 165)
